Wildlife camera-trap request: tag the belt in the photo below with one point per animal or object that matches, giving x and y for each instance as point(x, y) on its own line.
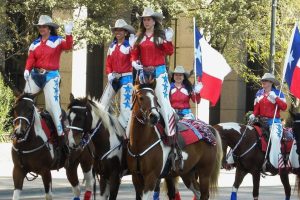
point(41, 70)
point(119, 75)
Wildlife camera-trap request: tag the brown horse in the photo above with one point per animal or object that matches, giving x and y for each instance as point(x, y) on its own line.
point(89, 120)
point(148, 156)
point(249, 157)
point(31, 150)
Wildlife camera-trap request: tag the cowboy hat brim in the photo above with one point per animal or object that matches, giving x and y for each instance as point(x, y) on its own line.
point(128, 28)
point(273, 80)
point(156, 15)
point(54, 25)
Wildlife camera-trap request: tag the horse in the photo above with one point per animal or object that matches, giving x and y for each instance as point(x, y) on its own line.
point(147, 156)
point(296, 131)
point(32, 150)
point(88, 119)
point(249, 158)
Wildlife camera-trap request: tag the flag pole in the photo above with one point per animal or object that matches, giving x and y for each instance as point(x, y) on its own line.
point(272, 38)
point(281, 83)
point(195, 68)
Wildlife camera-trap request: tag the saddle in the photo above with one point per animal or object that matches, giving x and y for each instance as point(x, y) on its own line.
point(188, 132)
point(48, 124)
point(263, 133)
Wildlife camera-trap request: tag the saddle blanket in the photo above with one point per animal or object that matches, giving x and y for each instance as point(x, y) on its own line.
point(190, 131)
point(286, 141)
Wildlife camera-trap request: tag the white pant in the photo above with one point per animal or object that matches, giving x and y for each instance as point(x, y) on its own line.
point(275, 149)
point(52, 99)
point(125, 101)
point(162, 91)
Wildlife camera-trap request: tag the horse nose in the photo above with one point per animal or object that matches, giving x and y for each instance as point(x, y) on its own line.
point(153, 118)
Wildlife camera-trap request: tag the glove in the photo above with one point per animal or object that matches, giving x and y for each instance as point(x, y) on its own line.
point(26, 74)
point(198, 87)
point(251, 118)
point(272, 96)
point(111, 77)
point(131, 40)
point(169, 34)
point(136, 65)
point(68, 28)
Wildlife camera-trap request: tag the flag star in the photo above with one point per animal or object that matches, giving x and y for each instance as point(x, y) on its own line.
point(165, 78)
point(291, 59)
point(165, 94)
point(198, 53)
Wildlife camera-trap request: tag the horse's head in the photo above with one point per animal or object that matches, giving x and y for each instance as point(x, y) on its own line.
point(145, 105)
point(23, 113)
point(80, 120)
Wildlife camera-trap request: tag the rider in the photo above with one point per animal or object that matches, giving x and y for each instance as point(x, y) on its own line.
point(182, 92)
point(119, 70)
point(149, 60)
point(42, 68)
point(268, 101)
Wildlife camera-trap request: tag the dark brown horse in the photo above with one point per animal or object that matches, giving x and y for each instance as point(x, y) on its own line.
point(148, 155)
point(89, 120)
point(249, 157)
point(296, 131)
point(31, 150)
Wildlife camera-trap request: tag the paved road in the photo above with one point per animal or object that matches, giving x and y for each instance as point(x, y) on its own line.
point(271, 188)
point(62, 191)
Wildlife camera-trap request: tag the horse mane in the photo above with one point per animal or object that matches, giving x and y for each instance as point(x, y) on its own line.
point(109, 121)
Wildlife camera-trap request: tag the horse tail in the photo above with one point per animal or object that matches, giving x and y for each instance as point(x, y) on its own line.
point(216, 168)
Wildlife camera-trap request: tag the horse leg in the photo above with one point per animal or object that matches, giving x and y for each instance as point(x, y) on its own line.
point(115, 182)
point(18, 177)
point(88, 177)
point(72, 176)
point(138, 185)
point(256, 182)
point(190, 181)
point(47, 181)
point(157, 190)
point(150, 182)
point(239, 177)
point(284, 176)
point(104, 188)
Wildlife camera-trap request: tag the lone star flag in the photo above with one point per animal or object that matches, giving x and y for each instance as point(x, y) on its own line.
point(211, 68)
point(291, 69)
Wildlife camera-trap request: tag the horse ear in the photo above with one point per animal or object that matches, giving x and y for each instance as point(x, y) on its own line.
point(152, 83)
point(71, 97)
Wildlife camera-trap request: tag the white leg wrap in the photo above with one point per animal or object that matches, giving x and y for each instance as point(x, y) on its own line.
point(16, 195)
point(76, 191)
point(89, 180)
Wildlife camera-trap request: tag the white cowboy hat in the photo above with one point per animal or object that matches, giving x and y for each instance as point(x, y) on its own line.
point(121, 23)
point(148, 12)
point(180, 70)
point(45, 20)
point(270, 77)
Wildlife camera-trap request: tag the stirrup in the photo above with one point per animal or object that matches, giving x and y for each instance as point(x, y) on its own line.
point(264, 169)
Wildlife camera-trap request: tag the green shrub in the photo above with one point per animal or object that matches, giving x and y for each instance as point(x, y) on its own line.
point(6, 103)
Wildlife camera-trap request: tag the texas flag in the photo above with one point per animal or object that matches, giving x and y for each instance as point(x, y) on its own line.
point(211, 68)
point(291, 69)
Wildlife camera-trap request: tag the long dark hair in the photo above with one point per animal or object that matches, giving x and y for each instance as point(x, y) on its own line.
point(186, 82)
point(158, 32)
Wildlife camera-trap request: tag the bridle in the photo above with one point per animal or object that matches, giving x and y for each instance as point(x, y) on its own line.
point(27, 120)
point(86, 135)
point(145, 113)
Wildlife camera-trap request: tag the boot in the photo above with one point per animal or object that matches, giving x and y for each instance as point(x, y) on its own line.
point(180, 158)
point(60, 149)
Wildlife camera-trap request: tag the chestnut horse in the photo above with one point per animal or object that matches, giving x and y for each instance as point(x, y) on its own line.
point(249, 157)
point(89, 121)
point(148, 156)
